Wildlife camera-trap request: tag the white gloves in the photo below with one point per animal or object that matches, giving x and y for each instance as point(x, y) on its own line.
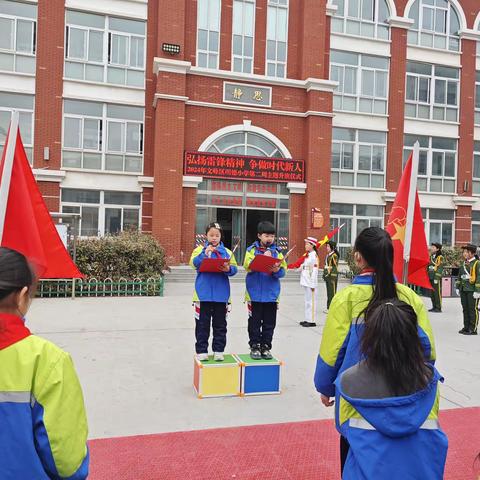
point(457, 291)
point(476, 295)
point(435, 282)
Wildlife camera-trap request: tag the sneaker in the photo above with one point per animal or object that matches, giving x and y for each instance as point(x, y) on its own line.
point(203, 357)
point(462, 331)
point(218, 356)
point(266, 355)
point(308, 324)
point(255, 353)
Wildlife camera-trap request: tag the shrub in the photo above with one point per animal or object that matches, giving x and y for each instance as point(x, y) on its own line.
point(127, 255)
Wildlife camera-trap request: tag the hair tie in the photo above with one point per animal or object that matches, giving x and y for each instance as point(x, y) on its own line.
point(389, 303)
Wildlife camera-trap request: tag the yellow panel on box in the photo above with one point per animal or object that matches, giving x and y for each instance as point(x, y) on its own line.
point(217, 379)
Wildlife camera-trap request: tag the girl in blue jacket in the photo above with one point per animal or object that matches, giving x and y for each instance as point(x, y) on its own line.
point(212, 294)
point(395, 433)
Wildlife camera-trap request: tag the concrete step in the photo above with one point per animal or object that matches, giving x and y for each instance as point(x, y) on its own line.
point(186, 274)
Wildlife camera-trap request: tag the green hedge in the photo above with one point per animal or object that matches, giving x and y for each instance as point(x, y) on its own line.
point(128, 255)
point(453, 258)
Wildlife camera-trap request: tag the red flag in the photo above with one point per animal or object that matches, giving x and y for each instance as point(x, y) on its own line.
point(397, 223)
point(28, 226)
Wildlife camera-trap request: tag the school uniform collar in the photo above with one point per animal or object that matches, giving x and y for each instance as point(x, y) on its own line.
point(12, 330)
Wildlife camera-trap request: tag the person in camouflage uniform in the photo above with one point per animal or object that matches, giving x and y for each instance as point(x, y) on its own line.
point(435, 271)
point(468, 287)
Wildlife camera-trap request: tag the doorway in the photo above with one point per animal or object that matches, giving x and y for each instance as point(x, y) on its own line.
point(240, 226)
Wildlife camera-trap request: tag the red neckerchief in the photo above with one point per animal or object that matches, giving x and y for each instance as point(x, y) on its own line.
point(12, 330)
point(367, 271)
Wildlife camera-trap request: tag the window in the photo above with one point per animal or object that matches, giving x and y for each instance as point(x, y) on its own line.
point(356, 218)
point(432, 92)
point(18, 24)
point(439, 225)
point(476, 169)
point(437, 163)
point(105, 49)
point(436, 25)
point(103, 213)
point(24, 105)
point(366, 18)
point(100, 136)
point(477, 99)
point(245, 143)
point(208, 33)
point(277, 33)
point(358, 158)
point(362, 82)
point(476, 227)
point(243, 34)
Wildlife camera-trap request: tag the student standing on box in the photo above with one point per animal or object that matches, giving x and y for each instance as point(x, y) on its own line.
point(263, 291)
point(341, 337)
point(330, 272)
point(435, 271)
point(468, 287)
point(212, 294)
point(44, 430)
point(309, 266)
point(391, 401)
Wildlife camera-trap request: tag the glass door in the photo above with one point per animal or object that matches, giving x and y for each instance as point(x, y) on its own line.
point(238, 234)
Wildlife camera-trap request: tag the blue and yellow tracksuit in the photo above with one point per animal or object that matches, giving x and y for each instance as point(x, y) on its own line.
point(212, 287)
point(262, 295)
point(212, 291)
point(263, 287)
point(43, 429)
point(340, 346)
point(393, 438)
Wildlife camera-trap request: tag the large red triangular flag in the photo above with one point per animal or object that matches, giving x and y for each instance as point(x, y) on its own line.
point(28, 226)
point(397, 224)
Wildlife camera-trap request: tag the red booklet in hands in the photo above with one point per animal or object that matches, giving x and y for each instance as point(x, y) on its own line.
point(213, 265)
point(264, 263)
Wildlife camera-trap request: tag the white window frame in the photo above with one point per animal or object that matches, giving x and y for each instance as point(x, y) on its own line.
point(477, 98)
point(102, 207)
point(432, 106)
point(103, 149)
point(428, 222)
point(276, 4)
point(476, 179)
point(27, 145)
point(425, 180)
point(339, 95)
point(208, 52)
point(416, 35)
point(13, 50)
point(476, 223)
point(244, 57)
point(341, 23)
point(355, 171)
point(106, 62)
point(337, 219)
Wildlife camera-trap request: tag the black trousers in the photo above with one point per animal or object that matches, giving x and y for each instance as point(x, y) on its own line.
point(470, 311)
point(261, 323)
point(344, 448)
point(216, 314)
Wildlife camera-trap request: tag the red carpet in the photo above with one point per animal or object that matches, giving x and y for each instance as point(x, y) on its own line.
point(298, 451)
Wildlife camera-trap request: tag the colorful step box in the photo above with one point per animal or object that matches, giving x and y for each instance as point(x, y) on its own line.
point(260, 377)
point(217, 379)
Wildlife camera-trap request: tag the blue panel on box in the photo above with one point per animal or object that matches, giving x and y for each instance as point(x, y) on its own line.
point(265, 378)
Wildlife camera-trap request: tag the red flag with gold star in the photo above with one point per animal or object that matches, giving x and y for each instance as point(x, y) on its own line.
point(397, 223)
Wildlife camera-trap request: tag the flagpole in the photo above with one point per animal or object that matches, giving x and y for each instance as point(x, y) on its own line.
point(410, 210)
point(7, 170)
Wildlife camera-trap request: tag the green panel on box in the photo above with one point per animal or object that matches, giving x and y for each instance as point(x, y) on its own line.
point(245, 358)
point(228, 359)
